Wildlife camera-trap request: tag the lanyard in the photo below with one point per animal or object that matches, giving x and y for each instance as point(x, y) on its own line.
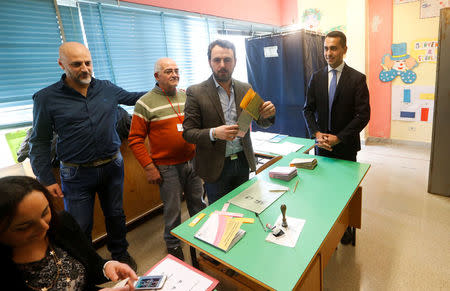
point(179, 110)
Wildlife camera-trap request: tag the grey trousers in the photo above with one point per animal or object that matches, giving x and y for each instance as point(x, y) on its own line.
point(176, 180)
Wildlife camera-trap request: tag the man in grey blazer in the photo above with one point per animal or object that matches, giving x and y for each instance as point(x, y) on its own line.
point(211, 111)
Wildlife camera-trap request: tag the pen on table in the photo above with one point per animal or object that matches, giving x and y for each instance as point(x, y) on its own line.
point(259, 218)
point(296, 184)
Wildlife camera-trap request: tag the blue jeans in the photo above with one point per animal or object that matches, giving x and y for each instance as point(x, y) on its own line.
point(79, 185)
point(234, 173)
point(177, 179)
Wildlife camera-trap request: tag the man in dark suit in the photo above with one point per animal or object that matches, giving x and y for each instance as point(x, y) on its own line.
point(222, 159)
point(337, 106)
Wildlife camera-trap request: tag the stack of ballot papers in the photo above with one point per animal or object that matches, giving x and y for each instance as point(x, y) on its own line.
point(221, 231)
point(283, 173)
point(304, 163)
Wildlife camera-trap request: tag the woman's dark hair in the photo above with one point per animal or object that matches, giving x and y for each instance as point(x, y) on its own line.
point(12, 191)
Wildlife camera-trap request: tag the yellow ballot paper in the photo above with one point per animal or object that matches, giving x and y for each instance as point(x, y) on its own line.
point(232, 227)
point(220, 231)
point(251, 103)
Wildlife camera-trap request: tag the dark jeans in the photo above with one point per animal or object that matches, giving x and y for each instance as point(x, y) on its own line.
point(79, 185)
point(176, 180)
point(234, 173)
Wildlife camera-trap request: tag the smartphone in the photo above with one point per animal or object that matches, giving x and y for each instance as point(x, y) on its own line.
point(150, 282)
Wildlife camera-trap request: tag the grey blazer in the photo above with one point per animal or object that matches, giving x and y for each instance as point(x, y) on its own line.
point(202, 112)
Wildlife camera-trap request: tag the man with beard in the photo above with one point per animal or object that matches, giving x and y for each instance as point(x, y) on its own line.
point(159, 115)
point(83, 112)
point(212, 108)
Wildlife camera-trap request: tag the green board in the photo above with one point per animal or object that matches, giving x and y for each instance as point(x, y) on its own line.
point(14, 140)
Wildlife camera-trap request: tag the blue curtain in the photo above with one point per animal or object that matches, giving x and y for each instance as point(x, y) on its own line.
point(282, 77)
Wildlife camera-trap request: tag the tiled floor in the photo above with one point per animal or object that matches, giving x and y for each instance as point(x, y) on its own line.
point(404, 243)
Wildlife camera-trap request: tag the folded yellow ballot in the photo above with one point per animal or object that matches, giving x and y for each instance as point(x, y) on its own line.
point(251, 103)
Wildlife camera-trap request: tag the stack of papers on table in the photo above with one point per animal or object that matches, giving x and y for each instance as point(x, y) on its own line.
point(221, 231)
point(283, 173)
point(304, 163)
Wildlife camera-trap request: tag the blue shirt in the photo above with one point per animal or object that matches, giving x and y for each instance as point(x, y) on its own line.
point(229, 112)
point(86, 126)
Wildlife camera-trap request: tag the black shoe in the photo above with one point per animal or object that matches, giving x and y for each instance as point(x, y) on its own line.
point(127, 259)
point(176, 252)
point(347, 238)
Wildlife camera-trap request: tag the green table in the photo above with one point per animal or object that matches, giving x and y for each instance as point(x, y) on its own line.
point(328, 198)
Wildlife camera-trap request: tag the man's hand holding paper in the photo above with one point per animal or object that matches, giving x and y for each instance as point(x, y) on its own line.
point(266, 110)
point(226, 132)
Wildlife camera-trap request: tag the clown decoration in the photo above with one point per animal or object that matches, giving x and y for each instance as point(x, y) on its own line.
point(399, 63)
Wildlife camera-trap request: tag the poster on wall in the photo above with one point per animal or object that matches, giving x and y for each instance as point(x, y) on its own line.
point(311, 19)
point(404, 1)
point(412, 103)
point(430, 8)
point(424, 50)
point(398, 64)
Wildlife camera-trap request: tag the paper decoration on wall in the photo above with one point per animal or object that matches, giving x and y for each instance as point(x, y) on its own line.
point(403, 1)
point(398, 64)
point(425, 51)
point(342, 28)
point(412, 103)
point(311, 19)
point(407, 95)
point(424, 114)
point(431, 8)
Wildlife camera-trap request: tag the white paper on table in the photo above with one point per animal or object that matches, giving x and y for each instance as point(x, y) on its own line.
point(277, 148)
point(258, 196)
point(180, 277)
point(291, 233)
point(261, 135)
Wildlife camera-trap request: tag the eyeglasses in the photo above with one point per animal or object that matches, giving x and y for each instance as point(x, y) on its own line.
point(171, 71)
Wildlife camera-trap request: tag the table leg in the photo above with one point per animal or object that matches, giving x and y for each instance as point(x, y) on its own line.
point(193, 257)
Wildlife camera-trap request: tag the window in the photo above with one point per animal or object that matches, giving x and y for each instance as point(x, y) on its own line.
point(125, 41)
point(28, 51)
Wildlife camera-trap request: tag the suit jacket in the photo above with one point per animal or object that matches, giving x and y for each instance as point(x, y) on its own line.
point(68, 236)
point(350, 111)
point(202, 112)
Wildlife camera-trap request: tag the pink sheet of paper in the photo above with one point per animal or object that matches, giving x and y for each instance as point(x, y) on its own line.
point(220, 229)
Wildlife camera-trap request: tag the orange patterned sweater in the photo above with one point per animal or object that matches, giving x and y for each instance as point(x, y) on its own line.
point(156, 118)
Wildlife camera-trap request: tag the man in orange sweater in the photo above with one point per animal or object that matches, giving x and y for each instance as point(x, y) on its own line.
point(159, 115)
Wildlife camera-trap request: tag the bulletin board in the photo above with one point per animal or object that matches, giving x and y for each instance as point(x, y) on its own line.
point(431, 8)
point(412, 103)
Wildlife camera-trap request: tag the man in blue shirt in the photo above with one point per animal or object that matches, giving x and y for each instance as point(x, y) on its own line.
point(83, 112)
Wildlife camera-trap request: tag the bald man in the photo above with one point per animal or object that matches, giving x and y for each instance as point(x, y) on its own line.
point(159, 114)
point(83, 112)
